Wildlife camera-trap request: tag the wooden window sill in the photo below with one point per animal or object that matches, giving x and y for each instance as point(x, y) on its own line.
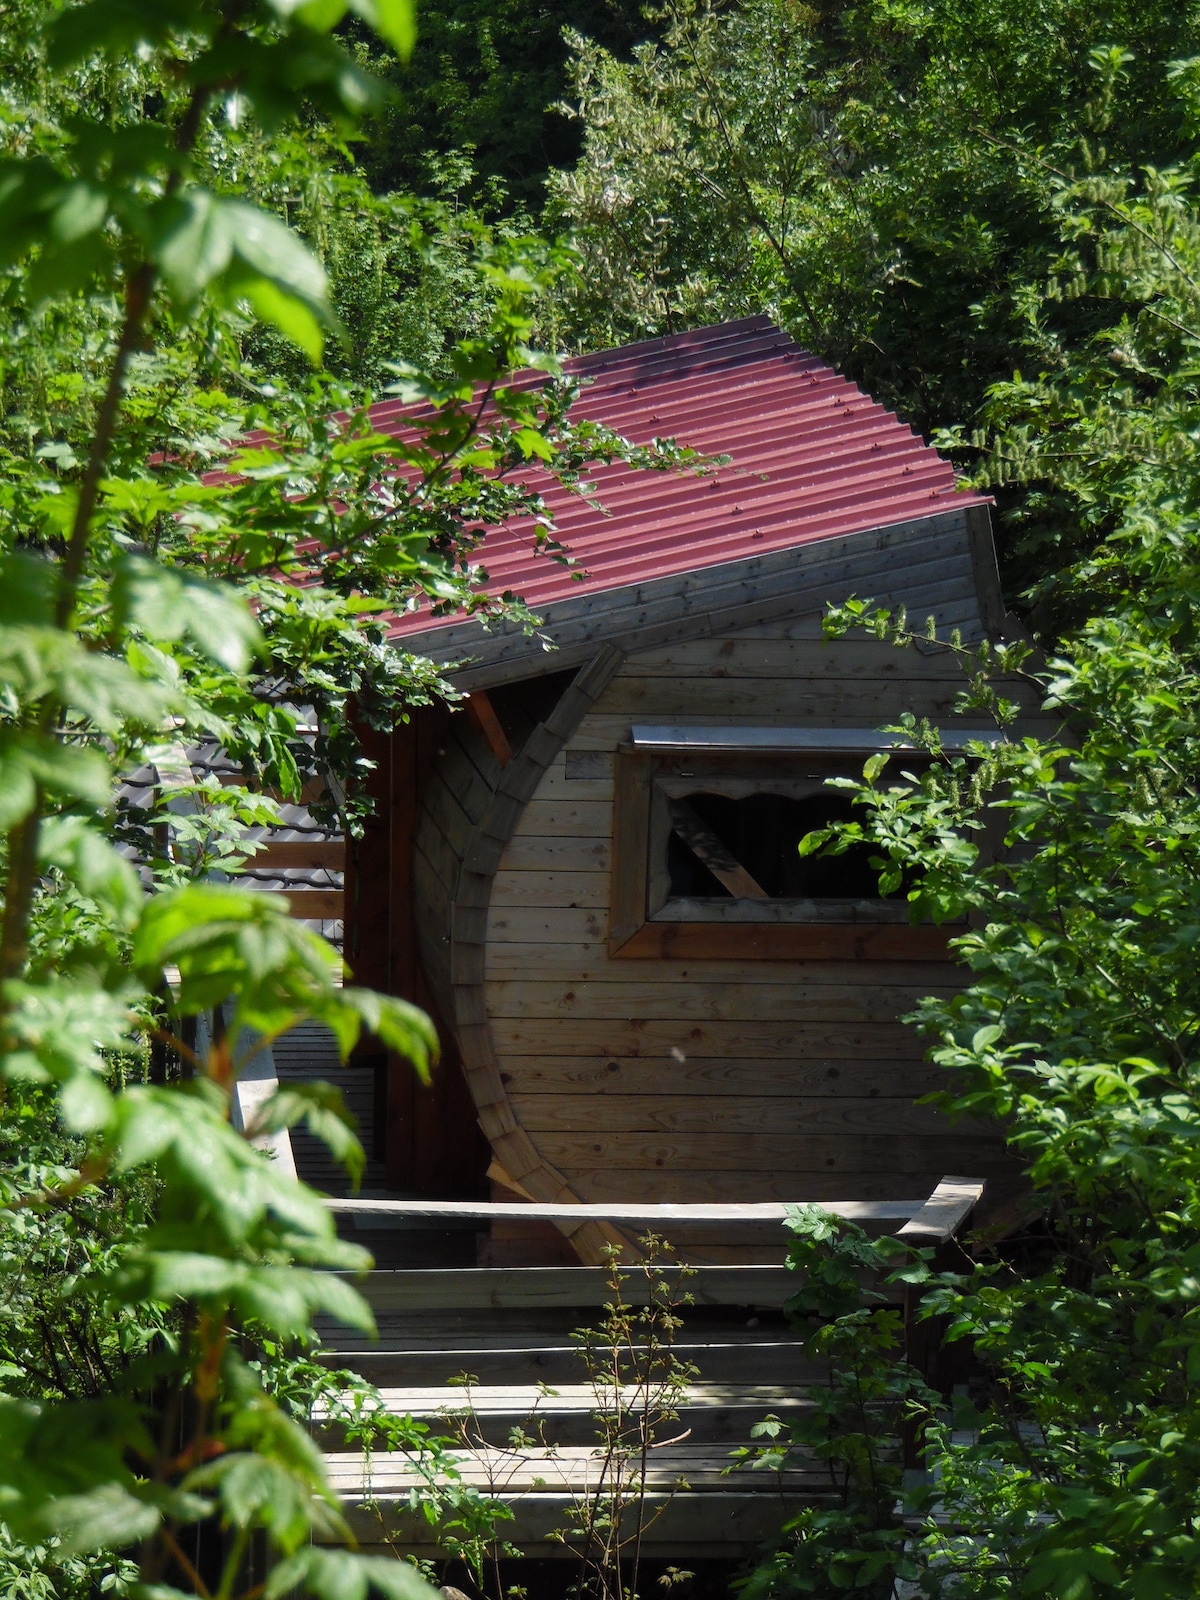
point(785, 941)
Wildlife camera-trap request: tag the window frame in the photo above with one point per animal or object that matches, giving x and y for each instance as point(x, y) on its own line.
point(641, 923)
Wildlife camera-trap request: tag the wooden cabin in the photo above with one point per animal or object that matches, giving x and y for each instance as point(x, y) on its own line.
point(589, 871)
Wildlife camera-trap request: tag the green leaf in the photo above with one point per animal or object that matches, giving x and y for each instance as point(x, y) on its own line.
point(28, 587)
point(395, 21)
point(343, 1575)
point(295, 320)
point(202, 242)
point(18, 792)
point(191, 243)
point(107, 1517)
point(874, 765)
point(85, 1103)
point(283, 279)
point(167, 604)
point(62, 769)
point(88, 860)
point(116, 27)
point(402, 1027)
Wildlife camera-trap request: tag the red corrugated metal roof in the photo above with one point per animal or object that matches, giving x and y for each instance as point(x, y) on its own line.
point(811, 457)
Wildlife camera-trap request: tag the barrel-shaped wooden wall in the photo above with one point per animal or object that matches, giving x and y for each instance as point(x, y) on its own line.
point(604, 1077)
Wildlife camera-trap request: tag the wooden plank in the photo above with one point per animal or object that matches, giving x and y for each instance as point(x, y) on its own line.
point(500, 1288)
point(704, 844)
point(682, 1114)
point(898, 557)
point(575, 819)
point(571, 890)
point(786, 942)
point(572, 1469)
point(440, 857)
point(985, 569)
point(687, 1526)
point(716, 959)
point(649, 1184)
point(466, 766)
point(726, 1077)
point(310, 853)
point(444, 810)
point(584, 927)
point(672, 1039)
point(946, 1210)
point(629, 819)
point(951, 604)
point(483, 714)
point(325, 905)
point(770, 654)
point(707, 1411)
point(869, 913)
point(529, 852)
point(767, 1212)
point(832, 701)
point(800, 1154)
point(683, 1002)
point(558, 784)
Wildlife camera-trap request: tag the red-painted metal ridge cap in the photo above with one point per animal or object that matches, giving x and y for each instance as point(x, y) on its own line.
point(812, 457)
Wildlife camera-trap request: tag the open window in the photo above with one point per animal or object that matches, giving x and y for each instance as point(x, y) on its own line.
point(705, 851)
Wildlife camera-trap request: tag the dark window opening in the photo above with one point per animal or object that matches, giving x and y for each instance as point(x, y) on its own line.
point(722, 848)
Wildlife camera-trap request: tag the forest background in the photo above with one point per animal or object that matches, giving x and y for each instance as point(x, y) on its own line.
point(221, 223)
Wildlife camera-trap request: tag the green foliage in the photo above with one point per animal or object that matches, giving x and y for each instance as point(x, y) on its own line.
point(484, 78)
point(639, 1384)
point(190, 553)
point(867, 1404)
point(868, 172)
point(1072, 856)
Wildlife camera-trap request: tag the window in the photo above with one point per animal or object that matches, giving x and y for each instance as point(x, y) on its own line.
point(705, 857)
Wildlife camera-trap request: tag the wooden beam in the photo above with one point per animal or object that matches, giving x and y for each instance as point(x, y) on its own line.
point(703, 843)
point(786, 941)
point(647, 1216)
point(571, 1288)
point(947, 1208)
point(330, 853)
point(328, 905)
point(483, 714)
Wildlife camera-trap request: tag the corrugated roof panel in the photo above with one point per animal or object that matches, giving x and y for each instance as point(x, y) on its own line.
point(812, 457)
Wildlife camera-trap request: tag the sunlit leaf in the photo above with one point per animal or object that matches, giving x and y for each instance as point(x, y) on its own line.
point(393, 20)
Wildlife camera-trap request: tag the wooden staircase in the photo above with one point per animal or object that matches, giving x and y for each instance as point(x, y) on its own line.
point(486, 1355)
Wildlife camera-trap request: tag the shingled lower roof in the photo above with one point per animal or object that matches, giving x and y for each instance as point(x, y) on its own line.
point(811, 458)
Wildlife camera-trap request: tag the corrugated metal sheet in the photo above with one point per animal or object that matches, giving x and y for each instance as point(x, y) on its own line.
point(812, 457)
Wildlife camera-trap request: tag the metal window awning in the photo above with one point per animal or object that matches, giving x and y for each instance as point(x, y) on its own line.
point(802, 741)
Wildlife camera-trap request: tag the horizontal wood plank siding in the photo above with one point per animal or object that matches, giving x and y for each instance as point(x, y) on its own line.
point(674, 1074)
point(693, 1079)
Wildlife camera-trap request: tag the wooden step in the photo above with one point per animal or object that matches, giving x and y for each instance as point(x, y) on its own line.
point(567, 1414)
point(733, 1356)
point(498, 1288)
point(683, 1528)
point(569, 1470)
point(692, 1504)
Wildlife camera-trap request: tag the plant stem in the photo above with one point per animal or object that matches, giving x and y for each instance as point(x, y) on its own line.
point(18, 898)
point(138, 292)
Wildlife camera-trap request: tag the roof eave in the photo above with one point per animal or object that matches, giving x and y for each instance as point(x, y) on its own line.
point(706, 600)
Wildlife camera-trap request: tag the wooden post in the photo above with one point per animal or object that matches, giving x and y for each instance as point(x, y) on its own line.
point(428, 1137)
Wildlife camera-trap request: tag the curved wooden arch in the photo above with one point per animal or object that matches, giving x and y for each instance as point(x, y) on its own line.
point(493, 810)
